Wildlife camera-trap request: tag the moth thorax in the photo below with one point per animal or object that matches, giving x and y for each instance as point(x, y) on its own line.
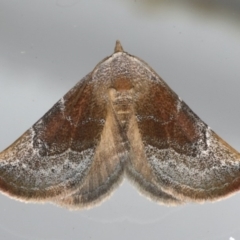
point(122, 103)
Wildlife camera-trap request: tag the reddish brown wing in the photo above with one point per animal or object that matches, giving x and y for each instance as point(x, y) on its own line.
point(187, 159)
point(139, 170)
point(54, 156)
point(106, 171)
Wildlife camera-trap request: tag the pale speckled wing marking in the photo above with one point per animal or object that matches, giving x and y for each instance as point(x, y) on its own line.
point(54, 156)
point(189, 161)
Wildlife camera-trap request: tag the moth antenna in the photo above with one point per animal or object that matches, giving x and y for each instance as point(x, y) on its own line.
point(118, 47)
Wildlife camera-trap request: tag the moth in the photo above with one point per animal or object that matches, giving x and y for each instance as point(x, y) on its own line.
point(121, 120)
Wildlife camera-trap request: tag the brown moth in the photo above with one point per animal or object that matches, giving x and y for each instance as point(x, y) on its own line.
point(120, 120)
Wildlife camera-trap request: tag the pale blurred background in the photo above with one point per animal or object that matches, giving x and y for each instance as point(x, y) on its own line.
point(46, 46)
